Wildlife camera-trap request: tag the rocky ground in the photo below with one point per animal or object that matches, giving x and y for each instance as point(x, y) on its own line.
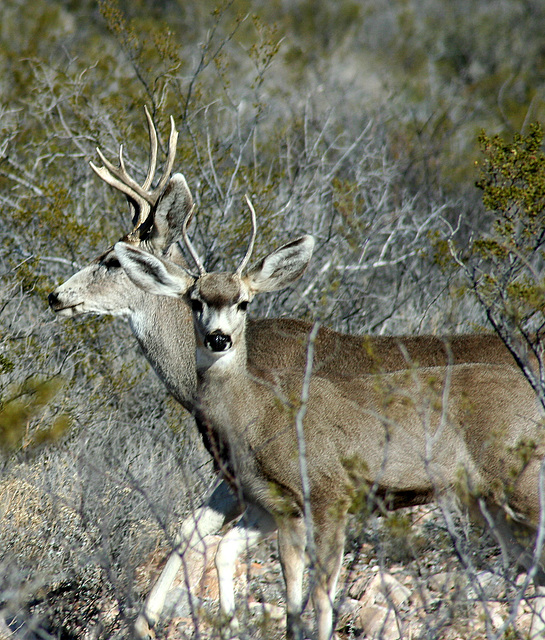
point(421, 573)
point(401, 579)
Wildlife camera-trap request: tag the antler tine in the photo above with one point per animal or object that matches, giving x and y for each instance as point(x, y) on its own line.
point(188, 244)
point(250, 249)
point(123, 171)
point(171, 156)
point(118, 178)
point(152, 166)
point(123, 176)
point(105, 174)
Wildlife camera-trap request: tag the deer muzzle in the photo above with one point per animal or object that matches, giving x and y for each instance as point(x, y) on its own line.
point(218, 341)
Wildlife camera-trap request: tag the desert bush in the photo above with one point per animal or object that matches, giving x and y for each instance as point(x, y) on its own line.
point(351, 121)
point(503, 262)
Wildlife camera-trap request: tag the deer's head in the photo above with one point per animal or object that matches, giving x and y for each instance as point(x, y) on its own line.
point(219, 301)
point(158, 216)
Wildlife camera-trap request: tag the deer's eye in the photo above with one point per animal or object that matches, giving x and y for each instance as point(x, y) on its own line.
point(111, 262)
point(242, 306)
point(196, 305)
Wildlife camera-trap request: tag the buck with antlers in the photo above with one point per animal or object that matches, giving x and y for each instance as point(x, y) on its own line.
point(163, 327)
point(403, 438)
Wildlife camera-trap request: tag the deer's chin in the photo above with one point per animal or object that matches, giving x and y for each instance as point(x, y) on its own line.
point(206, 358)
point(83, 308)
point(67, 312)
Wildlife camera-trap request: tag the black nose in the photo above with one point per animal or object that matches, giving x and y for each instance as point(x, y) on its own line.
point(53, 300)
point(218, 342)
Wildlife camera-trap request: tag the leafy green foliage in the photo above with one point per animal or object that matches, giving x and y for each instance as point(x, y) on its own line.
point(504, 262)
point(513, 188)
point(23, 407)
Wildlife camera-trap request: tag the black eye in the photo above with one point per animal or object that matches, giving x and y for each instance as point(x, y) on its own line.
point(196, 305)
point(112, 263)
point(242, 306)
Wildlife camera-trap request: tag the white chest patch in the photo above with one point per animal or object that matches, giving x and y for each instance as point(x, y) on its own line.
point(214, 361)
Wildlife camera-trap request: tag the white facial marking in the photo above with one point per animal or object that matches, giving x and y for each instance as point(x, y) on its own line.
point(219, 303)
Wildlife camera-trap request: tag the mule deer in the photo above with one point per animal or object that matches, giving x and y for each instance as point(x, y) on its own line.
point(401, 438)
point(164, 329)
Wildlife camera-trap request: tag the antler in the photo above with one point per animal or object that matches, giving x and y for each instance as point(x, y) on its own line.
point(140, 195)
point(195, 255)
point(189, 245)
point(250, 249)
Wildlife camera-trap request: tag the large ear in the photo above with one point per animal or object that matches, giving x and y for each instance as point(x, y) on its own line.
point(281, 267)
point(151, 273)
point(170, 213)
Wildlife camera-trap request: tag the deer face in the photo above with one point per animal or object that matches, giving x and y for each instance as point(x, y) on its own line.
point(101, 287)
point(219, 302)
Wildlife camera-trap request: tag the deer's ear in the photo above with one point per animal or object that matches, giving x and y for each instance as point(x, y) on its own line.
point(151, 273)
point(170, 213)
point(281, 267)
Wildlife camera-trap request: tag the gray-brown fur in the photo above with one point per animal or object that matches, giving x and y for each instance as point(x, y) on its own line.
point(340, 354)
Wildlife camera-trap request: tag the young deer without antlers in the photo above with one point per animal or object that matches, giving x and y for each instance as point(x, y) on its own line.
point(398, 439)
point(163, 327)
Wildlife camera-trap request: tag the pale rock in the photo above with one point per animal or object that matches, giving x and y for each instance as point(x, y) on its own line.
point(348, 613)
point(378, 621)
point(444, 581)
point(272, 611)
point(384, 589)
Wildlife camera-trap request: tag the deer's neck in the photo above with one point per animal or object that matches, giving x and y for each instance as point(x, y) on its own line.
point(164, 331)
point(163, 327)
point(227, 412)
point(224, 386)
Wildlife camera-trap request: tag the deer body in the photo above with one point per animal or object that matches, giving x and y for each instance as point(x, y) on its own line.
point(398, 455)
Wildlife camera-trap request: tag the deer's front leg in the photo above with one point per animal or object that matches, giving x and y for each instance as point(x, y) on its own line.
point(218, 509)
point(254, 525)
point(329, 537)
point(291, 548)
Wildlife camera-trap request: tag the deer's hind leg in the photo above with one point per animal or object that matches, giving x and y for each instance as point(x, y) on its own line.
point(515, 537)
point(517, 542)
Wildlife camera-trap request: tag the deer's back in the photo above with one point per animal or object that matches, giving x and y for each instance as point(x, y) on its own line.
point(281, 344)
